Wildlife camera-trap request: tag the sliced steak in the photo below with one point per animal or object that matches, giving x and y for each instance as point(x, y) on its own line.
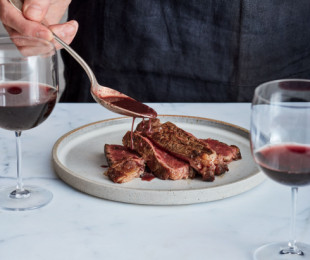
point(225, 154)
point(163, 165)
point(181, 144)
point(228, 152)
point(124, 164)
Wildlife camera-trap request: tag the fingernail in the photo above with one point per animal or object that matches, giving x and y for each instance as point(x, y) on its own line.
point(33, 11)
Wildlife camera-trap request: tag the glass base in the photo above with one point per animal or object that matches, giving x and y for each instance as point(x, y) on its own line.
point(31, 197)
point(281, 251)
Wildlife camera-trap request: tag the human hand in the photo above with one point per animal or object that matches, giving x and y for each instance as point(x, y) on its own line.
point(35, 12)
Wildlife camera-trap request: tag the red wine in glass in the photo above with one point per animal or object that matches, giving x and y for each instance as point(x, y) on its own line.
point(280, 142)
point(287, 164)
point(25, 107)
point(28, 94)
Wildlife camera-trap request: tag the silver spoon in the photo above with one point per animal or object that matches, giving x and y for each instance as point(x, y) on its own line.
point(111, 99)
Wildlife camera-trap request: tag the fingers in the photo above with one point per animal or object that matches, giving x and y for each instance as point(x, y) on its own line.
point(31, 46)
point(35, 10)
point(65, 31)
point(16, 24)
point(31, 50)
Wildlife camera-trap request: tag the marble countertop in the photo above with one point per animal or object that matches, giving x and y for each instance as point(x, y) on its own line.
point(78, 226)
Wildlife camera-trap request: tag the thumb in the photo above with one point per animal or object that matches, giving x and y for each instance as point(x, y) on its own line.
point(35, 10)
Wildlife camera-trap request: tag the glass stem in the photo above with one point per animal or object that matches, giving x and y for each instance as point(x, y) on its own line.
point(20, 192)
point(292, 248)
point(20, 185)
point(292, 241)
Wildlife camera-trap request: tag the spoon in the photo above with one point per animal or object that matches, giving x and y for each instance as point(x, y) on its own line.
point(111, 99)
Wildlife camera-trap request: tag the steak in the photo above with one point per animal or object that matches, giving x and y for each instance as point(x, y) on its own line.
point(181, 144)
point(225, 154)
point(228, 152)
point(124, 164)
point(163, 165)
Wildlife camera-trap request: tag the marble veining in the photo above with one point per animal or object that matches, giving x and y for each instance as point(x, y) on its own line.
point(78, 226)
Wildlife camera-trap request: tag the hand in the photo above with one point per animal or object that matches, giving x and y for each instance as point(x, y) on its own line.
point(35, 12)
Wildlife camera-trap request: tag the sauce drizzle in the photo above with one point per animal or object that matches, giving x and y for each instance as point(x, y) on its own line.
point(131, 133)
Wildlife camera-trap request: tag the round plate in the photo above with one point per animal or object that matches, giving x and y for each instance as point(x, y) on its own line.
point(79, 155)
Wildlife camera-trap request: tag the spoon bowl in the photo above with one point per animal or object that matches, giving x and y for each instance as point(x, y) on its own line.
point(111, 99)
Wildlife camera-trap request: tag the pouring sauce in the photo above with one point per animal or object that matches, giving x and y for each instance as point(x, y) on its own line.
point(132, 105)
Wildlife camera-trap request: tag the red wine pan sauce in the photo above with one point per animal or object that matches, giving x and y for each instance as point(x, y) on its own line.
point(287, 164)
point(131, 105)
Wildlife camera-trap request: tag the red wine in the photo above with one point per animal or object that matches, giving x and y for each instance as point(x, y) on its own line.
point(295, 85)
point(23, 107)
point(287, 164)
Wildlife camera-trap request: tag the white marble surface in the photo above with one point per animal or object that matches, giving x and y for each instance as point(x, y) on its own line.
point(77, 226)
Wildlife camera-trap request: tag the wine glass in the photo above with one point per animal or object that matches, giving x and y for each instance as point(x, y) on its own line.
point(280, 143)
point(28, 93)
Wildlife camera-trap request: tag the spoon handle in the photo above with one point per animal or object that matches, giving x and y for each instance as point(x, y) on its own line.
point(78, 58)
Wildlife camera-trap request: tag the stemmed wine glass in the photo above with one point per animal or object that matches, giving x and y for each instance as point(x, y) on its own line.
point(280, 142)
point(28, 93)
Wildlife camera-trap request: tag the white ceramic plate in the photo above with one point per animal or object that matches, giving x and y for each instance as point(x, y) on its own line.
point(79, 154)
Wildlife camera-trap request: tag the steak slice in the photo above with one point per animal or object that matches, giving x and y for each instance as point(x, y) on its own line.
point(181, 144)
point(225, 154)
point(163, 165)
point(228, 152)
point(124, 164)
